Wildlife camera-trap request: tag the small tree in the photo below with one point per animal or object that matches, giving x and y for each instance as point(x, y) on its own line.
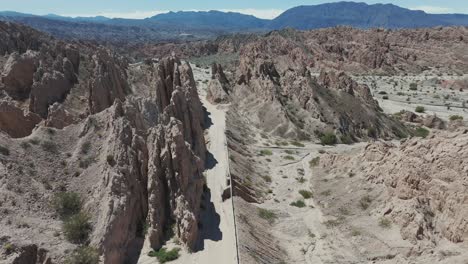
point(66, 204)
point(328, 139)
point(84, 255)
point(420, 109)
point(77, 228)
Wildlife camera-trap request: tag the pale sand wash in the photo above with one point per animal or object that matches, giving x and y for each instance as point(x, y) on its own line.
point(217, 242)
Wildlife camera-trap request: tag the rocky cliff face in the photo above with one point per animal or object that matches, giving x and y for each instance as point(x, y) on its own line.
point(135, 158)
point(275, 86)
point(40, 72)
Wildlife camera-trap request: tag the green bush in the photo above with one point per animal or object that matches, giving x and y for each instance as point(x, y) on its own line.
point(267, 178)
point(297, 144)
point(365, 202)
point(77, 228)
point(455, 117)
point(372, 132)
point(298, 203)
point(110, 160)
point(4, 151)
point(421, 132)
point(328, 139)
point(314, 162)
point(267, 215)
point(164, 255)
point(86, 147)
point(385, 223)
point(306, 194)
point(346, 139)
point(66, 204)
point(420, 109)
point(49, 146)
point(84, 255)
point(413, 86)
point(288, 157)
point(85, 163)
point(266, 152)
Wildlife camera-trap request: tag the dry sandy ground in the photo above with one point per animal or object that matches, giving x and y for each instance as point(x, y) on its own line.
point(430, 93)
point(217, 243)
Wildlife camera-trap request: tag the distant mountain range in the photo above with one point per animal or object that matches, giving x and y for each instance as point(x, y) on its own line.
point(207, 24)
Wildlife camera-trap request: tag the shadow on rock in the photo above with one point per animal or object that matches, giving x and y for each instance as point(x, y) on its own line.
point(210, 162)
point(207, 122)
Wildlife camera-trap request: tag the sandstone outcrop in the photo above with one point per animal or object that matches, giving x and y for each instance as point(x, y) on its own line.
point(177, 155)
point(18, 74)
point(110, 82)
point(15, 121)
point(218, 87)
point(425, 181)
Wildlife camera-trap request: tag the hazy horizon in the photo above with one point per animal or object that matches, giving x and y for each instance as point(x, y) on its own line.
point(143, 9)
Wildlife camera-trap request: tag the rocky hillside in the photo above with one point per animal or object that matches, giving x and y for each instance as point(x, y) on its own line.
point(96, 155)
point(418, 186)
point(275, 88)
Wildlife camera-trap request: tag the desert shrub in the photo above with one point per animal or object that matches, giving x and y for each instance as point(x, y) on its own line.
point(326, 193)
point(420, 109)
point(35, 141)
point(297, 144)
point(455, 117)
point(267, 178)
point(288, 157)
point(301, 179)
point(281, 143)
point(84, 163)
point(385, 97)
point(77, 228)
point(86, 147)
point(332, 223)
point(413, 86)
point(267, 215)
point(163, 255)
point(110, 160)
point(5, 151)
point(8, 248)
point(66, 204)
point(84, 255)
point(25, 145)
point(298, 203)
point(421, 132)
point(328, 139)
point(355, 232)
point(372, 132)
point(50, 131)
point(385, 223)
point(365, 202)
point(314, 162)
point(382, 92)
point(346, 139)
point(288, 151)
point(49, 146)
point(306, 194)
point(401, 94)
point(265, 152)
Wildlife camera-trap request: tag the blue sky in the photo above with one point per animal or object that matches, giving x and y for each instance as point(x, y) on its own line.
point(145, 8)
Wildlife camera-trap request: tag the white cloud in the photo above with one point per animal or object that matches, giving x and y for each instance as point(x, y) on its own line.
point(434, 9)
point(260, 13)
